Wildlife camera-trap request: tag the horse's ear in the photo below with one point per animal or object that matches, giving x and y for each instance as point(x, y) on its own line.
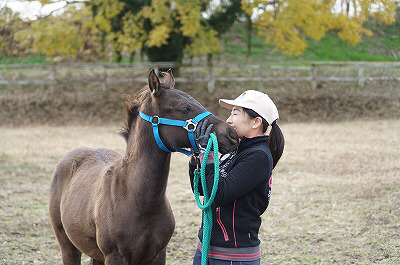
point(154, 83)
point(169, 79)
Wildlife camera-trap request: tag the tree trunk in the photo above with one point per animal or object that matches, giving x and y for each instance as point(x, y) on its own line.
point(249, 27)
point(118, 56)
point(131, 56)
point(103, 44)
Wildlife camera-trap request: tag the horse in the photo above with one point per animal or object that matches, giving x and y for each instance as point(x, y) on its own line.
point(113, 207)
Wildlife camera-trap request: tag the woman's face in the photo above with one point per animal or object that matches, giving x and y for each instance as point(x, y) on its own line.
point(240, 121)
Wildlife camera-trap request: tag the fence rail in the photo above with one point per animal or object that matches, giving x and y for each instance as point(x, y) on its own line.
point(210, 78)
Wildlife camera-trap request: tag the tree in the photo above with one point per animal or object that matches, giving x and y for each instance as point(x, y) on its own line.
point(165, 29)
point(11, 26)
point(72, 34)
point(287, 24)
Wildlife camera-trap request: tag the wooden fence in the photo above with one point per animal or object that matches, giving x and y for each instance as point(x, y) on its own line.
point(310, 73)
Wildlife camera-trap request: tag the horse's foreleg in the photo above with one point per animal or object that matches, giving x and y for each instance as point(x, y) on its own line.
point(161, 259)
point(114, 258)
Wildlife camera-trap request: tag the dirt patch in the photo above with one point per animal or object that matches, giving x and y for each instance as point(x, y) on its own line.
point(335, 194)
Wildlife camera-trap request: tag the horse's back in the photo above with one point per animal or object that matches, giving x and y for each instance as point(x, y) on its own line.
point(83, 158)
point(76, 179)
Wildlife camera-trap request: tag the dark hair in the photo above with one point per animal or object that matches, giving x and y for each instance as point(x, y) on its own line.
point(276, 141)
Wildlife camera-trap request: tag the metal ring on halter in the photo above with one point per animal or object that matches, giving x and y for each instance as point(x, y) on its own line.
point(155, 117)
point(188, 123)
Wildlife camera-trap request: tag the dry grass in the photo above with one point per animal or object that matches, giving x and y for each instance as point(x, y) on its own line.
point(335, 199)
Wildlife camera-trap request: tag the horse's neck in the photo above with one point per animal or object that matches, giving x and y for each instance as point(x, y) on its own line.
point(147, 166)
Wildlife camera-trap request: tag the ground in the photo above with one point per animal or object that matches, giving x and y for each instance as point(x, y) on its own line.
point(335, 194)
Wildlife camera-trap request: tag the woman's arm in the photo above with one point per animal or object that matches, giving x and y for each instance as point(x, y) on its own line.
point(245, 176)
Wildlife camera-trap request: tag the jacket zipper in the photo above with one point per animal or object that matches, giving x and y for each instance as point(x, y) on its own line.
point(226, 237)
point(233, 223)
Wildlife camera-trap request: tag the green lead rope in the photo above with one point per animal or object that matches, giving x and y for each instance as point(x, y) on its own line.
point(208, 200)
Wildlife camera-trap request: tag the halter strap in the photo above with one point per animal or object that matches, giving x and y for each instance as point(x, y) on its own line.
point(190, 125)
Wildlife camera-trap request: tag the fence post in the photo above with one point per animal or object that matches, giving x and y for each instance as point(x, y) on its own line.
point(53, 78)
point(313, 77)
point(361, 79)
point(260, 81)
point(211, 80)
point(104, 83)
point(3, 72)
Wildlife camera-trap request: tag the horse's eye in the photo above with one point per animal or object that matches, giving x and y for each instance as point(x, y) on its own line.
point(184, 110)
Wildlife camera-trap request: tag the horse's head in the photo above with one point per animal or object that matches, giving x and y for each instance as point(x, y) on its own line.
point(163, 100)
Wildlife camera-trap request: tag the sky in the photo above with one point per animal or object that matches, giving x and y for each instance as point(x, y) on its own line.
point(31, 9)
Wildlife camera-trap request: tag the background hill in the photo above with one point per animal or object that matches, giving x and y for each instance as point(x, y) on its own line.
point(383, 45)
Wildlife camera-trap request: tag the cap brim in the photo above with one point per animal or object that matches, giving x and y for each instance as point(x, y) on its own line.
point(226, 103)
point(229, 104)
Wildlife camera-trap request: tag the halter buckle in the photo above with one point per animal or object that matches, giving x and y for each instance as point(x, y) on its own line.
point(190, 123)
point(155, 122)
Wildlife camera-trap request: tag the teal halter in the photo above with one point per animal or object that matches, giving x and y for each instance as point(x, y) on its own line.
point(190, 125)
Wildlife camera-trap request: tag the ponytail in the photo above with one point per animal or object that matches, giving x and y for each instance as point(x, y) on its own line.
point(276, 143)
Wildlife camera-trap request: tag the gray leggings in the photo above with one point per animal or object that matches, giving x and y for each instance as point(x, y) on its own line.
point(197, 261)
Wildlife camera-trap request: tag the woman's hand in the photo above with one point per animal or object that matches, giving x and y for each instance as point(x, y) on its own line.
point(202, 135)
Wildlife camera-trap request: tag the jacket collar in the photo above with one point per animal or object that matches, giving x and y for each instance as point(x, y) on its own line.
point(247, 142)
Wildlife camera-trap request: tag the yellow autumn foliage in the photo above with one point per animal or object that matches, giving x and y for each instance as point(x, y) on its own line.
point(165, 15)
point(68, 35)
point(159, 35)
point(106, 11)
point(205, 42)
point(287, 24)
point(11, 27)
point(190, 16)
point(134, 36)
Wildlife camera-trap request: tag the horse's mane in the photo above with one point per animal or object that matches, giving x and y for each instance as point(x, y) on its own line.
point(133, 102)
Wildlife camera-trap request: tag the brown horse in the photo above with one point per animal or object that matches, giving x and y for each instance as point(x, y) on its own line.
point(113, 207)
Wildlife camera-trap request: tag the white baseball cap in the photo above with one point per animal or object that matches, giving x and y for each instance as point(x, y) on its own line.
point(255, 100)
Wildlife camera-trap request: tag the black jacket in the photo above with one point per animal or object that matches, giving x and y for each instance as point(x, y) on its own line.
point(243, 193)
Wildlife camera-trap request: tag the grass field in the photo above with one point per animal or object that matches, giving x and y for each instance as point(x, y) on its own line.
point(335, 194)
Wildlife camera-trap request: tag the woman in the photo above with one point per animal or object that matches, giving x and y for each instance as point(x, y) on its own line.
point(244, 186)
